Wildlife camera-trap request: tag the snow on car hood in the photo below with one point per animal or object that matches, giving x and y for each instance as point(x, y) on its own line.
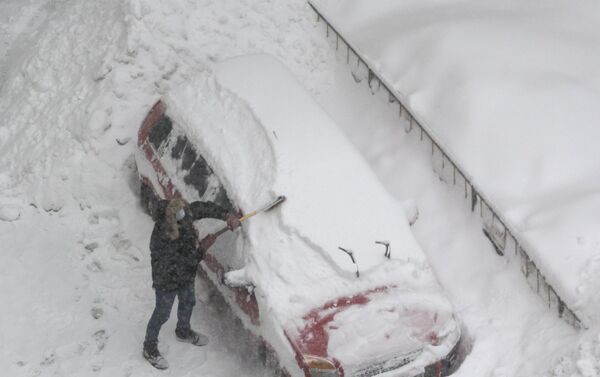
point(385, 328)
point(265, 136)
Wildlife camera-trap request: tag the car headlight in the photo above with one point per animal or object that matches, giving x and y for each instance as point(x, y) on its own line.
point(320, 366)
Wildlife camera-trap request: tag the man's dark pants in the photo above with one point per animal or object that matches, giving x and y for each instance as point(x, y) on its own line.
point(162, 310)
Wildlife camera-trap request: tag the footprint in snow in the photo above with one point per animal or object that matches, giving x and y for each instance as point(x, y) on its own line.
point(97, 312)
point(91, 246)
point(108, 217)
point(101, 339)
point(97, 365)
point(49, 359)
point(125, 251)
point(95, 266)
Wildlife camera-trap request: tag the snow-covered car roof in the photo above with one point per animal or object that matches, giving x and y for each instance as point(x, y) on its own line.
point(264, 136)
point(334, 198)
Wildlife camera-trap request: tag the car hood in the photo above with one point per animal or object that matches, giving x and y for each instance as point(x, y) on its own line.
point(383, 328)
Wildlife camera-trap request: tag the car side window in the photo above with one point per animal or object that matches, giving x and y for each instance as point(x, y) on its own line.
point(189, 156)
point(160, 132)
point(196, 171)
point(177, 150)
point(198, 176)
point(223, 200)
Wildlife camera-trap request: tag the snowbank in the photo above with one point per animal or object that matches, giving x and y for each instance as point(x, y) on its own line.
point(510, 90)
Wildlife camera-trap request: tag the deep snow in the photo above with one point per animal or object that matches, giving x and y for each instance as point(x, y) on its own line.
point(509, 89)
point(75, 277)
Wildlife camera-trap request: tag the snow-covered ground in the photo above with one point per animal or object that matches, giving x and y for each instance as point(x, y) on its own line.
point(74, 265)
point(18, 21)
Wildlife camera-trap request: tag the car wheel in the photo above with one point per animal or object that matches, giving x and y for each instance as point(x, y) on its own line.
point(149, 201)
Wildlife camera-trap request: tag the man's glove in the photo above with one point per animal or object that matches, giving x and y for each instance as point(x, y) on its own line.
point(207, 242)
point(233, 220)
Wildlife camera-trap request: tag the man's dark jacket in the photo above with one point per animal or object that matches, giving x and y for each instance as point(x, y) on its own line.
point(175, 262)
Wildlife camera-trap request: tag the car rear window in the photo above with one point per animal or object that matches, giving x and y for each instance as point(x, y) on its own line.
point(160, 132)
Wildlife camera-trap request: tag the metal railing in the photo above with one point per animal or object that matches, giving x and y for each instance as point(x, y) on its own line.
point(500, 233)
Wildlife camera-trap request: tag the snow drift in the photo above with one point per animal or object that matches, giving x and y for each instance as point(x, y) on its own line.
point(515, 101)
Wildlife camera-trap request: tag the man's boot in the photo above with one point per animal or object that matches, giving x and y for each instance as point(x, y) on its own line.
point(190, 336)
point(153, 356)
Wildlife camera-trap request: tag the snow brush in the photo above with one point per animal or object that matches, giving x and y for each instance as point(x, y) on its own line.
point(276, 202)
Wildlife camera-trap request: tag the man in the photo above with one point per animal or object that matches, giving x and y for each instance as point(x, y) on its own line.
point(175, 254)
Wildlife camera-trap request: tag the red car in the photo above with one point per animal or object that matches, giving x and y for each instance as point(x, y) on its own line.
point(313, 280)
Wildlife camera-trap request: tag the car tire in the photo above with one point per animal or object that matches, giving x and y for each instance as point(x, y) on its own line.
point(149, 200)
